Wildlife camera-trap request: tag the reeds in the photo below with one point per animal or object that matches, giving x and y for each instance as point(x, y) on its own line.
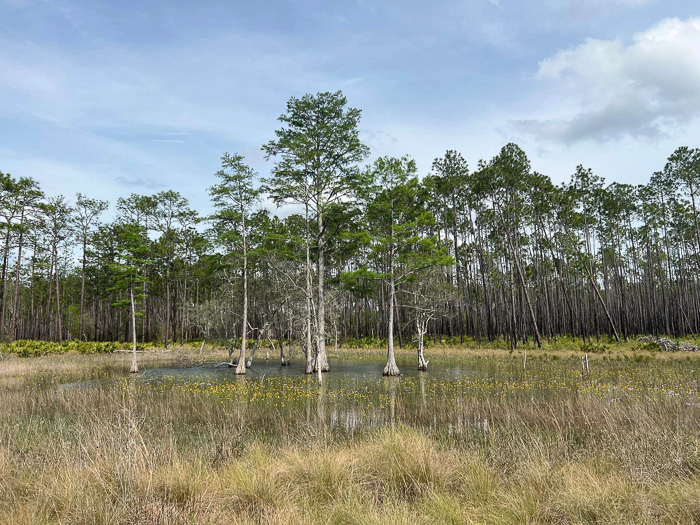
point(621, 446)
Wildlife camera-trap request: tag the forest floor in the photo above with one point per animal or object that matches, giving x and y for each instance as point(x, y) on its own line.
point(478, 439)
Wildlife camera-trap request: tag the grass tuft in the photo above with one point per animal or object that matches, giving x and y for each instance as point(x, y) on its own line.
point(83, 443)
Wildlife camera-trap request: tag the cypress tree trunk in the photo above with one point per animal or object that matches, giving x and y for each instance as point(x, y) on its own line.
point(167, 303)
point(309, 349)
point(391, 369)
point(421, 327)
point(321, 357)
point(240, 369)
point(261, 332)
point(134, 365)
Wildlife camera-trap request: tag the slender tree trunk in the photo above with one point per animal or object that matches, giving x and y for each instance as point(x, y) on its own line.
point(458, 276)
point(280, 341)
point(391, 369)
point(82, 288)
point(321, 357)
point(261, 332)
point(240, 369)
point(605, 308)
point(185, 308)
point(15, 299)
point(422, 327)
point(59, 318)
point(167, 303)
point(6, 253)
point(518, 267)
point(309, 346)
point(134, 365)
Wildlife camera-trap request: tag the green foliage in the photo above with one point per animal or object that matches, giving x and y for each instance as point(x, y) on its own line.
point(318, 149)
point(648, 347)
point(365, 342)
point(29, 348)
point(593, 348)
point(493, 252)
point(233, 197)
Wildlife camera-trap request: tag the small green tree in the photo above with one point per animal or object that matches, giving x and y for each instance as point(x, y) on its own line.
point(234, 198)
point(397, 217)
point(132, 253)
point(140, 209)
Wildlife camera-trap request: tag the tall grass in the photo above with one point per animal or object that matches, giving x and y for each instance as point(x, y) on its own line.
point(537, 446)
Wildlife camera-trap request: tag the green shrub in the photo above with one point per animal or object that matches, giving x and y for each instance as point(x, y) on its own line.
point(594, 348)
point(366, 342)
point(648, 346)
point(31, 348)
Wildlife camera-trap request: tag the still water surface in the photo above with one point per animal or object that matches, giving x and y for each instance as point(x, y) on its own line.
point(457, 393)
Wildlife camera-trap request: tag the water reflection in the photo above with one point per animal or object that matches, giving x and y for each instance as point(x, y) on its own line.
point(321, 405)
point(467, 395)
point(392, 382)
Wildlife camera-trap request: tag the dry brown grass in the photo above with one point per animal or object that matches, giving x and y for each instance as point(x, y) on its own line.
point(399, 476)
point(117, 455)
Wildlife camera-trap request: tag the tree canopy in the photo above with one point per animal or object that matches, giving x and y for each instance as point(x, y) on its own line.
point(378, 251)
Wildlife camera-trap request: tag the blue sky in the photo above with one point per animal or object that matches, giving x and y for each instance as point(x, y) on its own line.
point(110, 98)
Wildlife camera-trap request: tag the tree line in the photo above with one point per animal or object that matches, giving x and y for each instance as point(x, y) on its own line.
point(363, 250)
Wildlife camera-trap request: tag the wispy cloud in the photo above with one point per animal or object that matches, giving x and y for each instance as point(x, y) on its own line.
point(113, 98)
point(140, 182)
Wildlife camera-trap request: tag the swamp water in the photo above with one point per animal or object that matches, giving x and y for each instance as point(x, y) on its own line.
point(469, 395)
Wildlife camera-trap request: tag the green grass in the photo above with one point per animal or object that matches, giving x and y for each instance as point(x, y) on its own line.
point(498, 444)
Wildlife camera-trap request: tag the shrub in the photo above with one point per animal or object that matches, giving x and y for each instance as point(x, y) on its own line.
point(594, 348)
point(31, 348)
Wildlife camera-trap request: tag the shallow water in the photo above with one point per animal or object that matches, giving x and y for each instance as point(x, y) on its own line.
point(456, 395)
point(340, 369)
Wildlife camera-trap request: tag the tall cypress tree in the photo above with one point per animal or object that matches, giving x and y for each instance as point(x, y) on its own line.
point(318, 151)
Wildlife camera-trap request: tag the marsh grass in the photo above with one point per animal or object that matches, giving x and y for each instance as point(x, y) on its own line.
point(500, 445)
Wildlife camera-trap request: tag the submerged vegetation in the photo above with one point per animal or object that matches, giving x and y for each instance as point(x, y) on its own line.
point(478, 439)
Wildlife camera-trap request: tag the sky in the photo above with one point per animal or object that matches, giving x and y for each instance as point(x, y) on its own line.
point(111, 98)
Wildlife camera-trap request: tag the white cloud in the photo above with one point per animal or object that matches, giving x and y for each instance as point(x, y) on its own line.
point(641, 88)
